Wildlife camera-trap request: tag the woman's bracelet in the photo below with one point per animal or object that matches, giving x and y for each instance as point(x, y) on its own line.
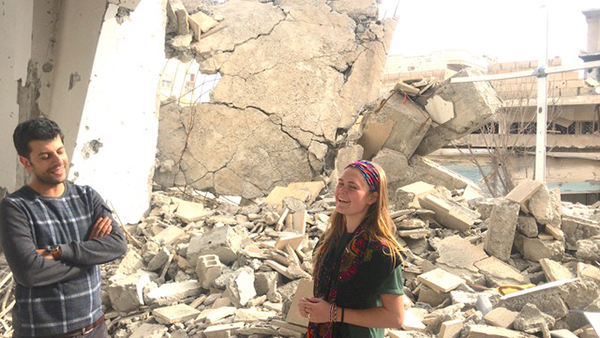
point(333, 312)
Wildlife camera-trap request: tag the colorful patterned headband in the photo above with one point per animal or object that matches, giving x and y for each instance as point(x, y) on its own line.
point(369, 172)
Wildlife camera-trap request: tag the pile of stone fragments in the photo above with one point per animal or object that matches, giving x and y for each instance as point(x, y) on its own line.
point(517, 266)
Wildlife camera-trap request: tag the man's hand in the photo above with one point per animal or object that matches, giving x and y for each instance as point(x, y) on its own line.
point(46, 254)
point(102, 228)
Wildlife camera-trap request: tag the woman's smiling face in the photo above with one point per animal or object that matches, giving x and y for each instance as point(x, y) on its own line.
point(352, 195)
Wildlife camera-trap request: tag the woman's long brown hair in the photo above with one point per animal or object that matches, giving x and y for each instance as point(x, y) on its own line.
point(377, 223)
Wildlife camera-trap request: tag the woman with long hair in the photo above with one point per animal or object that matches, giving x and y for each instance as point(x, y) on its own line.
point(357, 275)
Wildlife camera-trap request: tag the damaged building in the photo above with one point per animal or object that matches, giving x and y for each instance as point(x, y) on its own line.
point(218, 162)
point(502, 153)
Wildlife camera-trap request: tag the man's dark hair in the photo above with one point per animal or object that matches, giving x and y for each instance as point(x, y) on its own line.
point(40, 128)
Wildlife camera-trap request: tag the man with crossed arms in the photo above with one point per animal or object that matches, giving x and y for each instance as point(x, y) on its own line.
point(54, 234)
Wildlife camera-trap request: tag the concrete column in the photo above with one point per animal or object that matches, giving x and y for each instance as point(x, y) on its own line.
point(16, 19)
point(116, 141)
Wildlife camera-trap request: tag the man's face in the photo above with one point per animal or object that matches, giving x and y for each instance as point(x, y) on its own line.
point(48, 162)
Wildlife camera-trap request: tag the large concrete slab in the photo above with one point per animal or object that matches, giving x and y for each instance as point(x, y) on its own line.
point(440, 280)
point(448, 213)
point(175, 314)
point(406, 121)
point(523, 192)
point(499, 273)
point(458, 254)
point(555, 271)
point(475, 104)
point(502, 226)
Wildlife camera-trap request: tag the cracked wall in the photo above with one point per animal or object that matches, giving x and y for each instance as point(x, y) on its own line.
point(95, 72)
point(294, 78)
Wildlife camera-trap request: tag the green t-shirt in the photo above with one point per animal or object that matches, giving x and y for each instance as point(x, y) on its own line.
point(392, 285)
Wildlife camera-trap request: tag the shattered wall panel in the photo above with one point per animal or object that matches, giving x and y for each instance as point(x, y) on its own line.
point(294, 75)
point(238, 152)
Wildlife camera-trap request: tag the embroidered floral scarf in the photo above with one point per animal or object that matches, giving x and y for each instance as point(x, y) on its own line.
point(350, 279)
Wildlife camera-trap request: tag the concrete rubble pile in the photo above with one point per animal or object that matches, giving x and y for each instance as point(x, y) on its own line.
point(523, 265)
point(214, 269)
point(294, 107)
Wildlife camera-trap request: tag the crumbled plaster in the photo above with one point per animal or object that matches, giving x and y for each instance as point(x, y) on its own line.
point(294, 78)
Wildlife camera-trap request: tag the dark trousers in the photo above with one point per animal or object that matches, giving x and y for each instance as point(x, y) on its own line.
point(99, 331)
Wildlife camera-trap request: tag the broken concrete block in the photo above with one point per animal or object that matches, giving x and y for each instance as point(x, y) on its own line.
point(263, 281)
point(588, 271)
point(174, 292)
point(413, 234)
point(589, 249)
point(374, 136)
point(222, 330)
point(440, 280)
point(130, 264)
point(532, 320)
point(395, 165)
point(149, 331)
point(535, 249)
point(293, 240)
point(440, 110)
point(499, 273)
point(290, 272)
point(412, 320)
point(181, 42)
point(168, 235)
point(484, 208)
point(299, 221)
point(523, 192)
point(580, 295)
point(451, 328)
point(448, 213)
point(178, 17)
point(208, 268)
point(201, 23)
point(475, 104)
point(577, 228)
point(458, 254)
point(304, 191)
point(221, 302)
point(430, 296)
point(253, 315)
point(214, 315)
point(222, 241)
point(416, 189)
point(555, 271)
point(433, 173)
point(555, 232)
point(159, 260)
point(485, 331)
point(399, 125)
point(527, 226)
point(501, 229)
point(190, 211)
point(541, 206)
point(241, 288)
point(471, 193)
point(126, 292)
point(175, 314)
point(500, 317)
point(545, 297)
point(304, 289)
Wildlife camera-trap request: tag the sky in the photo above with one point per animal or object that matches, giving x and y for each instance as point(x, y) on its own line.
point(507, 30)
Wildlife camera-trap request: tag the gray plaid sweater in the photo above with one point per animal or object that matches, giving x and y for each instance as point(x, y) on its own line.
point(54, 297)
